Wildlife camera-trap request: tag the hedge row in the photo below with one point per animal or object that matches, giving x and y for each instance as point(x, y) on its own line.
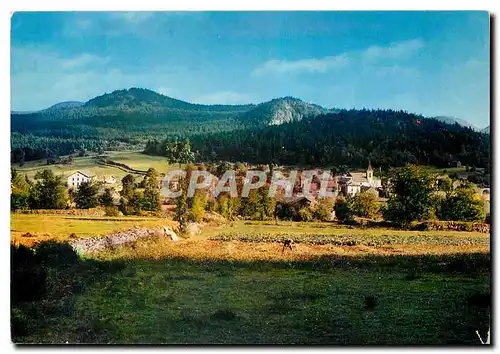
point(453, 226)
point(81, 212)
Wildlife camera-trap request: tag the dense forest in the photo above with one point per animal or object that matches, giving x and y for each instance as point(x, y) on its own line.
point(351, 138)
point(124, 119)
point(282, 131)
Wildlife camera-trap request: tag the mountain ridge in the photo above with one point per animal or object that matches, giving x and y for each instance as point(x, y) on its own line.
point(273, 112)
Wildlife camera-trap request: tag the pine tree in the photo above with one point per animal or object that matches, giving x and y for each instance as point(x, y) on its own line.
point(86, 195)
point(128, 186)
point(152, 200)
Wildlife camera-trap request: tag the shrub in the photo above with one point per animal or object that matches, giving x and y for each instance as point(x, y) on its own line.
point(53, 253)
point(111, 211)
point(322, 213)
point(305, 214)
point(343, 209)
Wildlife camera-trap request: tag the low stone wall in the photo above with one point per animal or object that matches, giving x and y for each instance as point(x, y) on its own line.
point(127, 237)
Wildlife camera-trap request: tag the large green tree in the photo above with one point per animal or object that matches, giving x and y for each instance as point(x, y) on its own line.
point(128, 186)
point(20, 191)
point(106, 199)
point(463, 204)
point(86, 195)
point(365, 204)
point(48, 191)
point(411, 197)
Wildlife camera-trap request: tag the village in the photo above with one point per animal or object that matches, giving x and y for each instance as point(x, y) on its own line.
point(308, 187)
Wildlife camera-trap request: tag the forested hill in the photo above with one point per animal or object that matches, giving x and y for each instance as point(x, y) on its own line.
point(351, 138)
point(285, 130)
point(129, 118)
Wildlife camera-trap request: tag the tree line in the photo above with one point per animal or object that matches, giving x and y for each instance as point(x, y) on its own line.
point(414, 195)
point(48, 191)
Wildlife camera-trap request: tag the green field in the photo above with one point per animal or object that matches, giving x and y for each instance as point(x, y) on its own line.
point(423, 287)
point(59, 227)
point(181, 301)
point(135, 160)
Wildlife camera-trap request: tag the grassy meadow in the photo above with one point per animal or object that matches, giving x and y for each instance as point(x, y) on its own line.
point(205, 290)
point(135, 160)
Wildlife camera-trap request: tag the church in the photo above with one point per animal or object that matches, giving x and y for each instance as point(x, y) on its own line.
point(351, 183)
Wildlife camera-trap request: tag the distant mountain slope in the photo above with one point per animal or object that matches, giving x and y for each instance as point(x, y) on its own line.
point(64, 105)
point(126, 119)
point(486, 130)
point(279, 111)
point(138, 98)
point(350, 138)
point(453, 120)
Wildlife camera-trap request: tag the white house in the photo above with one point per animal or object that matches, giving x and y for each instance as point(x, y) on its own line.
point(78, 178)
point(350, 189)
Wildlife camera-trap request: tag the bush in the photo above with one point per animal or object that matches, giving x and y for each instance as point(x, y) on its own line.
point(52, 253)
point(305, 214)
point(111, 211)
point(343, 209)
point(322, 213)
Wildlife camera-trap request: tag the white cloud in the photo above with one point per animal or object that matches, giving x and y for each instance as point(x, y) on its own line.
point(320, 65)
point(83, 60)
point(114, 24)
point(396, 50)
point(399, 71)
point(223, 97)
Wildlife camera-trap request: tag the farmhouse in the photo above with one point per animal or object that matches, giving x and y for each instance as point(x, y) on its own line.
point(79, 177)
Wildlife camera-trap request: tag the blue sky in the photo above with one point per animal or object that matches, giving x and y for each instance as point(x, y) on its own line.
point(433, 63)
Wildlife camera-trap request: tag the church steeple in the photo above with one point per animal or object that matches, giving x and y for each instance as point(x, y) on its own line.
point(369, 172)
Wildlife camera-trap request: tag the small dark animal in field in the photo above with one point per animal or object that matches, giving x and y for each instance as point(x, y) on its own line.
point(287, 244)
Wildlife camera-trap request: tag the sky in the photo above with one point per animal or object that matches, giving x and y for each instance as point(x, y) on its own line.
point(432, 63)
